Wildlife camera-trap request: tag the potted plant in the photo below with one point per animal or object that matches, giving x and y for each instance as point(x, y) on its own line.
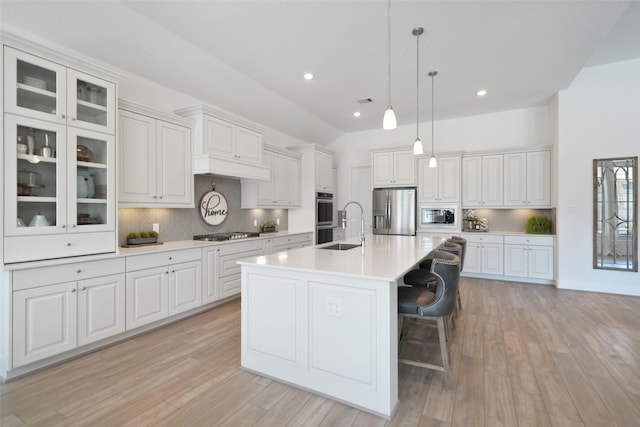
point(142, 237)
point(268, 226)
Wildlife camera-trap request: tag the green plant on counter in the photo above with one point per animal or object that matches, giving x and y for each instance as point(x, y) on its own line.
point(268, 224)
point(133, 235)
point(538, 225)
point(153, 233)
point(144, 234)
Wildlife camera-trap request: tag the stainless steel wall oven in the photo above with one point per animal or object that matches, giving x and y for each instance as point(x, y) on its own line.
point(324, 217)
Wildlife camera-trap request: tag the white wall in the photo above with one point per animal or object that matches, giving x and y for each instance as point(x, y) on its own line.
point(599, 117)
point(497, 131)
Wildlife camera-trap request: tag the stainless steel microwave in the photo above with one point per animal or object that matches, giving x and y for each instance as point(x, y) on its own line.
point(438, 217)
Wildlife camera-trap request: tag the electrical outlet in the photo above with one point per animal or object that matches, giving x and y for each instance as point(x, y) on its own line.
point(334, 306)
point(277, 221)
point(156, 228)
point(255, 222)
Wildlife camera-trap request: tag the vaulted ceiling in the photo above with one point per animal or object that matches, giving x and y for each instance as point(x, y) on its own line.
point(248, 57)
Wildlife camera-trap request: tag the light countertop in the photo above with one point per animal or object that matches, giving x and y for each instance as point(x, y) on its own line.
point(384, 257)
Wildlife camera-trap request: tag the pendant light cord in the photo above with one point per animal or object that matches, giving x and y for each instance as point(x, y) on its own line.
point(432, 74)
point(417, 85)
point(389, 51)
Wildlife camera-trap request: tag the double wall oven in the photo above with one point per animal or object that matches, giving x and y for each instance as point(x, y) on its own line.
point(324, 217)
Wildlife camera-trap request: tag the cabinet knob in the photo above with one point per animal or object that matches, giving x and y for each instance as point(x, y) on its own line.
point(166, 272)
point(84, 288)
point(74, 226)
point(73, 118)
point(68, 244)
point(63, 226)
point(63, 116)
point(170, 257)
point(160, 197)
point(73, 290)
point(78, 271)
point(155, 197)
point(173, 271)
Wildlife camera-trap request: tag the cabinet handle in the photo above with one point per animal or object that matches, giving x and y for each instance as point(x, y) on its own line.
point(63, 116)
point(155, 197)
point(74, 226)
point(73, 118)
point(68, 244)
point(78, 271)
point(166, 272)
point(84, 288)
point(173, 271)
point(63, 226)
point(170, 257)
point(73, 290)
point(160, 197)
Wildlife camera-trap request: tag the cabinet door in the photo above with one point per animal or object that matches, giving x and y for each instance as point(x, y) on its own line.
point(427, 182)
point(515, 179)
point(219, 138)
point(91, 183)
point(101, 308)
point(90, 102)
point(34, 185)
point(492, 255)
point(516, 259)
point(230, 286)
point(293, 182)
point(185, 286)
point(492, 180)
point(323, 172)
point(541, 262)
point(404, 168)
point(248, 146)
point(210, 289)
point(471, 182)
point(136, 158)
point(539, 178)
point(448, 171)
point(266, 196)
point(34, 87)
point(382, 169)
point(147, 296)
point(173, 172)
point(279, 179)
point(44, 322)
point(473, 258)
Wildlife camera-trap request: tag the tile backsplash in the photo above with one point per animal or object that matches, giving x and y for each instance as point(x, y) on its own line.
point(513, 220)
point(183, 224)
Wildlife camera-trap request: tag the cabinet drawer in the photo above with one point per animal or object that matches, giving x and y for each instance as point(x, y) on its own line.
point(34, 277)
point(292, 240)
point(529, 240)
point(237, 247)
point(482, 238)
point(29, 248)
point(228, 265)
point(160, 259)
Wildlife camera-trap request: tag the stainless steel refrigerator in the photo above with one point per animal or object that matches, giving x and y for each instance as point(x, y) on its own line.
point(394, 211)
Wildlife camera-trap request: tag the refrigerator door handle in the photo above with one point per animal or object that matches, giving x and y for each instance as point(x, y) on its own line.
point(388, 213)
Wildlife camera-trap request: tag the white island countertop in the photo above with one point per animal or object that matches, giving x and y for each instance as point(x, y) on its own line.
point(383, 257)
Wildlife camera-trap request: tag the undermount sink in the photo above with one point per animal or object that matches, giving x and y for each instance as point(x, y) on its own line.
point(341, 246)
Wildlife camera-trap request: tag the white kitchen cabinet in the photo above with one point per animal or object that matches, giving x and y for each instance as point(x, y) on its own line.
point(56, 309)
point(288, 243)
point(440, 184)
point(482, 181)
point(74, 193)
point(162, 284)
point(282, 190)
point(154, 159)
point(41, 89)
point(225, 144)
point(527, 179)
point(484, 254)
point(393, 168)
point(324, 172)
point(228, 271)
point(529, 256)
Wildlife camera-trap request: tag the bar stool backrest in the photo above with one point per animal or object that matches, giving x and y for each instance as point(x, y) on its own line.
point(446, 267)
point(463, 243)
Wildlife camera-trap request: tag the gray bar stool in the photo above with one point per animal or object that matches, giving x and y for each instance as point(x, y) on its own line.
point(463, 243)
point(437, 305)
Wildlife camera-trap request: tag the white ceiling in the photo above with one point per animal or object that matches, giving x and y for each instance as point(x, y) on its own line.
point(248, 57)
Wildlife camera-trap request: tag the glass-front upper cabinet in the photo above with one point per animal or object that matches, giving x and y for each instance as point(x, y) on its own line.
point(57, 179)
point(42, 89)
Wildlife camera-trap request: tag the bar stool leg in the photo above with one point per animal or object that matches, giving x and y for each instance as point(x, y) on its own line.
point(445, 352)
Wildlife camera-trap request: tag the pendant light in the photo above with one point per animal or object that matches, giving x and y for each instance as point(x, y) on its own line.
point(389, 119)
point(433, 163)
point(417, 144)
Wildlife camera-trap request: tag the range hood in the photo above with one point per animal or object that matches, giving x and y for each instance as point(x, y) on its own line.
point(225, 144)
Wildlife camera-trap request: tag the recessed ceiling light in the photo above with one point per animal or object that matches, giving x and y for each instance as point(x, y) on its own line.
point(481, 92)
point(308, 76)
point(356, 114)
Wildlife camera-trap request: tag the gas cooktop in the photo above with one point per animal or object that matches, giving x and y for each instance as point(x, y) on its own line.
point(220, 237)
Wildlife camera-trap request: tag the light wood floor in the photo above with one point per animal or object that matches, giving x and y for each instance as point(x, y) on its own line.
point(523, 355)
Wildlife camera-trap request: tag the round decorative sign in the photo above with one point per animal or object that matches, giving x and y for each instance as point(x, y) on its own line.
point(213, 208)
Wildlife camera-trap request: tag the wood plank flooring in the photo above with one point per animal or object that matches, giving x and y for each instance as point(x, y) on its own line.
point(523, 355)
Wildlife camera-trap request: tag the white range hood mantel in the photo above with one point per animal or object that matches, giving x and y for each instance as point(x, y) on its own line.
point(213, 151)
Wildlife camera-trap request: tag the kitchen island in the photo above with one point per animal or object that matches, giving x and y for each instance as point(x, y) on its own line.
point(326, 320)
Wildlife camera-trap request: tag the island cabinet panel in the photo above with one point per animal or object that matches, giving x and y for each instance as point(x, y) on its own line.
point(336, 335)
point(333, 347)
